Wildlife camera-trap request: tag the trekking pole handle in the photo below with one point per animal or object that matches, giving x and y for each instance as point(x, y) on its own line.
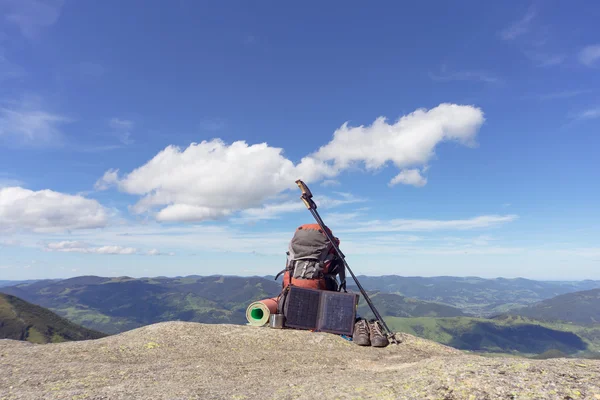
point(305, 190)
point(305, 201)
point(308, 202)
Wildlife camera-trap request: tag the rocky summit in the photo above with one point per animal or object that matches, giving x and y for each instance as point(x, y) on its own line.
point(185, 360)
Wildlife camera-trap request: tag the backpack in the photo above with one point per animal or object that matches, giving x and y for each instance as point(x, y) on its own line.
point(312, 262)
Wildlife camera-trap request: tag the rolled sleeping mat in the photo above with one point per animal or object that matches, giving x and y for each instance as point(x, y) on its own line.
point(258, 313)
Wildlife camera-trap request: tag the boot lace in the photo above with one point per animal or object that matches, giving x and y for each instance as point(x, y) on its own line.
point(362, 327)
point(377, 328)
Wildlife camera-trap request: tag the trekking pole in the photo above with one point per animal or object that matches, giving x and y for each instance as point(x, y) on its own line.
point(312, 207)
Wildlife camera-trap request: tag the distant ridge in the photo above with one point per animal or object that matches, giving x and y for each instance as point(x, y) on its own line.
point(579, 307)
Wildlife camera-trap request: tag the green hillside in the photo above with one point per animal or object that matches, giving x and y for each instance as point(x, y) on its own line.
point(581, 308)
point(508, 335)
point(21, 320)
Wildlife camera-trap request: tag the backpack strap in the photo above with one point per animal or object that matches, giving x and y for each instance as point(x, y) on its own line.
point(279, 274)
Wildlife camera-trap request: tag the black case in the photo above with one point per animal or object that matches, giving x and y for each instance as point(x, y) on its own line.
point(320, 310)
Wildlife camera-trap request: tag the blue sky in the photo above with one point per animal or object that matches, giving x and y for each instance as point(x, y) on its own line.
point(149, 138)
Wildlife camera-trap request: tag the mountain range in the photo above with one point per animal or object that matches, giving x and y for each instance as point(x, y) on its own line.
point(452, 313)
point(474, 295)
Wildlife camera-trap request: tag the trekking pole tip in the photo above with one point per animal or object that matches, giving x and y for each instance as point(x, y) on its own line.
point(392, 338)
point(305, 190)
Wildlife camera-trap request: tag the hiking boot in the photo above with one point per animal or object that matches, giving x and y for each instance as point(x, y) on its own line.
point(361, 333)
point(377, 338)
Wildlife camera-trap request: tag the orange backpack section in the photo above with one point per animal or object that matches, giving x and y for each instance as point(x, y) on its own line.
point(319, 284)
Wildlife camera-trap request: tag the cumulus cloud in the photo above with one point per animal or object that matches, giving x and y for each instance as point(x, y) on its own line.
point(186, 212)
point(590, 55)
point(409, 177)
point(48, 211)
point(211, 179)
point(410, 141)
point(109, 178)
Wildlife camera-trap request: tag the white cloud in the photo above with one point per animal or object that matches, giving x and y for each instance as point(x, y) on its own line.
point(26, 123)
point(338, 218)
point(122, 128)
point(186, 212)
point(211, 180)
point(591, 113)
point(31, 16)
point(109, 178)
point(330, 183)
point(590, 55)
point(66, 245)
point(272, 211)
point(74, 246)
point(117, 123)
point(410, 141)
point(565, 94)
point(416, 225)
point(409, 177)
point(519, 27)
point(481, 240)
point(357, 237)
point(48, 211)
point(156, 252)
point(82, 247)
point(115, 250)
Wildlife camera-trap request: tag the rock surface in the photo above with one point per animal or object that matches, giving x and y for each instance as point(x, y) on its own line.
point(184, 360)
